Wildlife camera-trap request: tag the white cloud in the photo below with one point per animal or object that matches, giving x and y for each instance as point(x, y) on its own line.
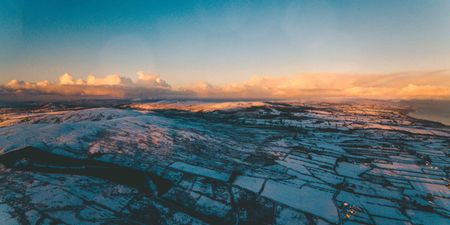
point(112, 79)
point(150, 80)
point(16, 84)
point(67, 79)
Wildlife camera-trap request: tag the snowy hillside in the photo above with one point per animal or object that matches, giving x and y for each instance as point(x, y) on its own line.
point(224, 162)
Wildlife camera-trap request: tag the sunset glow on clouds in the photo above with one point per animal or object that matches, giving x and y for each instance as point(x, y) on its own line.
point(110, 86)
point(431, 85)
point(425, 85)
point(224, 49)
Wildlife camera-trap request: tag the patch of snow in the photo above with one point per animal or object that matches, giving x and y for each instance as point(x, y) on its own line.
point(250, 183)
point(196, 106)
point(200, 171)
point(302, 199)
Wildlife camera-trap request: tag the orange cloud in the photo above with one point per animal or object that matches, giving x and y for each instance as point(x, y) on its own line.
point(113, 86)
point(432, 85)
point(429, 85)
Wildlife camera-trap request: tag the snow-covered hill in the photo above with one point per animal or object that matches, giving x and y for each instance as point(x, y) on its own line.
point(225, 162)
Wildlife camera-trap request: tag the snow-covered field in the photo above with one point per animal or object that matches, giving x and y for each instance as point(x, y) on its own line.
point(224, 163)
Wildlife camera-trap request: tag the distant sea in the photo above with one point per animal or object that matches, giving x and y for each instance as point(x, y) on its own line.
point(434, 110)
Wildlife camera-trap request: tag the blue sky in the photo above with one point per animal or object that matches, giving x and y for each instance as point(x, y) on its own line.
point(220, 41)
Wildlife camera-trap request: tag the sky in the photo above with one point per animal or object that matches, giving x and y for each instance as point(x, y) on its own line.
point(222, 43)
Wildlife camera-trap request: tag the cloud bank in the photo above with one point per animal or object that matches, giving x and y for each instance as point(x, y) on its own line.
point(428, 85)
point(424, 85)
point(111, 86)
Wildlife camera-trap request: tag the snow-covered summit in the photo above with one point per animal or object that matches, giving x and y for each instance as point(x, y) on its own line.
point(197, 106)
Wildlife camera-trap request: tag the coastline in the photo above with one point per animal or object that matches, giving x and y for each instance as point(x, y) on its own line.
point(437, 111)
point(435, 118)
